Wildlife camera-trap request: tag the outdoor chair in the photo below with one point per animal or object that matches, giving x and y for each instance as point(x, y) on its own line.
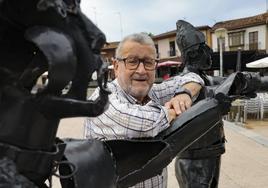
point(252, 106)
point(264, 104)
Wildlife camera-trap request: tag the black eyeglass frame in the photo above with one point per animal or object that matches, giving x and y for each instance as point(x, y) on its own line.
point(138, 64)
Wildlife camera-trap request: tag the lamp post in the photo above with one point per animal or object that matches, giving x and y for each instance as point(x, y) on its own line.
point(220, 33)
point(95, 15)
point(121, 27)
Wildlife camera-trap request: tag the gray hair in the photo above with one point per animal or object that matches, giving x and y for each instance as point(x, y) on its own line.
point(141, 38)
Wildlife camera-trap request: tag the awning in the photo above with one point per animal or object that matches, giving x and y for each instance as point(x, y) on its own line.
point(169, 63)
point(261, 63)
point(45, 73)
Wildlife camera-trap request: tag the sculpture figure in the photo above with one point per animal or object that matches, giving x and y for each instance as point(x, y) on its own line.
point(55, 36)
point(38, 36)
point(199, 165)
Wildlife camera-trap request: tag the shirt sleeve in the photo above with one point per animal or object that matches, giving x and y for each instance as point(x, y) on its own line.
point(125, 120)
point(166, 90)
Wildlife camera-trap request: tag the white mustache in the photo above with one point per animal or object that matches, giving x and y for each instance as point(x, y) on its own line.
point(140, 78)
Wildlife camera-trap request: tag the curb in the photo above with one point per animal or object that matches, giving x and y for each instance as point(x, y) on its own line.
point(248, 133)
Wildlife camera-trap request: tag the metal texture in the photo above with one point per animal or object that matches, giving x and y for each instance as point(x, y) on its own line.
point(55, 36)
point(38, 36)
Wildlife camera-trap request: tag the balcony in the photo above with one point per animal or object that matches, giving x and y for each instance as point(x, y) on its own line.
point(253, 46)
point(247, 46)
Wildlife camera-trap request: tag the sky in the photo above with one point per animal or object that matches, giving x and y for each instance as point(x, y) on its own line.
point(118, 18)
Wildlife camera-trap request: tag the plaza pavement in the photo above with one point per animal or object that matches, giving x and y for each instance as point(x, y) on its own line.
point(244, 165)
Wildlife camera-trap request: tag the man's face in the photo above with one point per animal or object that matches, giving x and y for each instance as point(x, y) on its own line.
point(136, 82)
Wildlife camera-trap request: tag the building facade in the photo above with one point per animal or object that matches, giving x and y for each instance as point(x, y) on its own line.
point(248, 33)
point(244, 37)
point(108, 52)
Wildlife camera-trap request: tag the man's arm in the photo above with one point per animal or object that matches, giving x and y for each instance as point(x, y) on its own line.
point(170, 92)
point(182, 101)
point(125, 120)
point(167, 89)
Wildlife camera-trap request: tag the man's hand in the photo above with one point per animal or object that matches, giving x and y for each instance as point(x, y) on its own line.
point(180, 103)
point(171, 115)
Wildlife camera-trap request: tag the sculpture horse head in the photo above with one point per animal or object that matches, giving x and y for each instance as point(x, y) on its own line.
point(38, 36)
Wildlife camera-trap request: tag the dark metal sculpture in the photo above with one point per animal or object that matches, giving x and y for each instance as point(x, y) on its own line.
point(199, 165)
point(187, 128)
point(196, 54)
point(38, 36)
point(54, 36)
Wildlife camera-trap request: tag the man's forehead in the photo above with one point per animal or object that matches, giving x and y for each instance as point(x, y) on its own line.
point(135, 47)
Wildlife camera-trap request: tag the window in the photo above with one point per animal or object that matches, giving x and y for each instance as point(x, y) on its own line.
point(236, 39)
point(172, 50)
point(253, 40)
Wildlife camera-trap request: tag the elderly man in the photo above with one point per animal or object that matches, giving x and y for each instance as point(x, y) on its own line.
point(138, 107)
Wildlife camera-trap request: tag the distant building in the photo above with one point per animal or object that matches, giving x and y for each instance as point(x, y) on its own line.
point(108, 51)
point(250, 33)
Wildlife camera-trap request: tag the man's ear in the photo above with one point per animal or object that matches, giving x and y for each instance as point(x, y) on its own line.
point(116, 65)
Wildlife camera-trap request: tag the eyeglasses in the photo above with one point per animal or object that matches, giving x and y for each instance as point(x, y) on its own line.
point(132, 63)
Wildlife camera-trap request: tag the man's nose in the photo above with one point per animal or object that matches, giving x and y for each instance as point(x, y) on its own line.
point(141, 68)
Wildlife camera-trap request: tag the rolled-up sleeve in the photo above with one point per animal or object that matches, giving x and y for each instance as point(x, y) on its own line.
point(126, 120)
point(189, 77)
point(166, 90)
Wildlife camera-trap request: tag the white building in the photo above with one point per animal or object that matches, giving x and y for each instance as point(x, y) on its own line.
point(250, 33)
